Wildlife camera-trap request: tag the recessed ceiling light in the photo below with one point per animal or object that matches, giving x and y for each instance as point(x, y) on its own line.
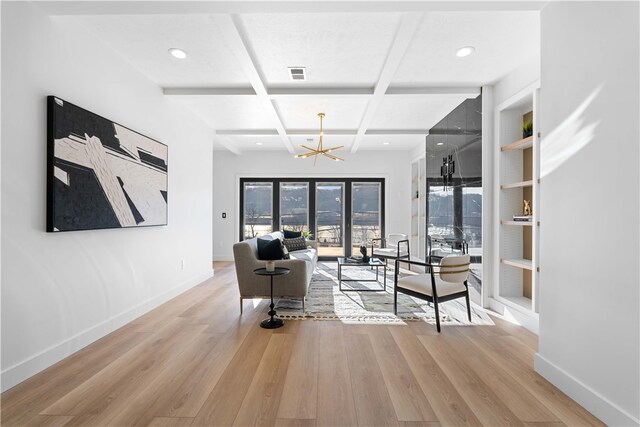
point(385, 143)
point(465, 51)
point(258, 143)
point(440, 143)
point(178, 53)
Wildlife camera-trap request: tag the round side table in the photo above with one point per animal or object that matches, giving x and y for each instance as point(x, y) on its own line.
point(272, 322)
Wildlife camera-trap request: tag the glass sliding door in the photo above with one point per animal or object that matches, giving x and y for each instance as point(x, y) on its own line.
point(330, 232)
point(257, 216)
point(340, 213)
point(294, 206)
point(366, 214)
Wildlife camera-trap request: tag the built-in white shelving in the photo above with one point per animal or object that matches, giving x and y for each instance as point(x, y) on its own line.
point(517, 179)
point(520, 184)
point(526, 264)
point(517, 223)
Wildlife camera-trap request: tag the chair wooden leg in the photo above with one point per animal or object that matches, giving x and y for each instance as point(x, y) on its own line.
point(468, 306)
point(435, 307)
point(241, 305)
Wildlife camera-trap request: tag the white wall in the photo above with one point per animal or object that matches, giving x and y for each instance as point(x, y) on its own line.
point(62, 291)
point(589, 250)
point(228, 168)
point(488, 278)
point(516, 80)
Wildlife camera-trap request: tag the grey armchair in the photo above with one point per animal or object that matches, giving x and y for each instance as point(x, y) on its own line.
point(293, 285)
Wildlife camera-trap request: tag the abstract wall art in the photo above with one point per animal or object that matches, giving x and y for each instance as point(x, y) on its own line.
point(101, 174)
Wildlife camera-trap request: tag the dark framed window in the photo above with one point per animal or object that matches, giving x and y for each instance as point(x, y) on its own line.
point(341, 213)
point(456, 213)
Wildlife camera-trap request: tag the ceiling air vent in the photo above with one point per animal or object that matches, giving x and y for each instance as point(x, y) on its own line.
point(298, 73)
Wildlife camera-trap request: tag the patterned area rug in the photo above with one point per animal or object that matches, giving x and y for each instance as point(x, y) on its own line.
point(325, 301)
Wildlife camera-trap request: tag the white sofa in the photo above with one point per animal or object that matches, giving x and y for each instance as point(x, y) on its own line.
point(293, 285)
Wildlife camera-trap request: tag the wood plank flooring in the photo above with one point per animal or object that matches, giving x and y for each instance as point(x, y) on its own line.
point(195, 361)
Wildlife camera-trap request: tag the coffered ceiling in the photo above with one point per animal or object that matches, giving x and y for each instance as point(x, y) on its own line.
point(381, 71)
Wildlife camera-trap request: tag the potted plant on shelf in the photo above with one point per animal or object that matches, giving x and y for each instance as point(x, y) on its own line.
point(307, 234)
point(527, 129)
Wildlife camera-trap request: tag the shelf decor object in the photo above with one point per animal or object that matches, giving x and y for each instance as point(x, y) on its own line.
point(101, 174)
point(319, 150)
point(527, 129)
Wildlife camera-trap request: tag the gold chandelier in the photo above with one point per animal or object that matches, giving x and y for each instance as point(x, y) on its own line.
point(319, 150)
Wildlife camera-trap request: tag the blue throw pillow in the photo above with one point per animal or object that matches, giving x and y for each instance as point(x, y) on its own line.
point(269, 250)
point(291, 234)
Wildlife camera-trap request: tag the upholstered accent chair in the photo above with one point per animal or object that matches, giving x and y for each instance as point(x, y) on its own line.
point(440, 247)
point(443, 282)
point(395, 246)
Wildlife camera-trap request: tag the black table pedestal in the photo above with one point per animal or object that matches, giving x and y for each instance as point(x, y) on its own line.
point(272, 322)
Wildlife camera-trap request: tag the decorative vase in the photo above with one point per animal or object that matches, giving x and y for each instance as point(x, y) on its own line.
point(363, 251)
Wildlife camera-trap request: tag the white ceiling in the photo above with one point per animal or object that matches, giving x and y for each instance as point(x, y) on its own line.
point(347, 49)
point(423, 112)
point(144, 40)
point(379, 77)
point(302, 112)
point(503, 41)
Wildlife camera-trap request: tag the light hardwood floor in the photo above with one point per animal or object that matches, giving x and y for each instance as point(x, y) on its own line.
point(195, 361)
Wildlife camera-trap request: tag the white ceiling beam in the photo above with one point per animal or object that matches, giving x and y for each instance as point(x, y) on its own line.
point(397, 132)
point(305, 91)
point(406, 29)
point(237, 41)
point(276, 6)
point(470, 92)
point(277, 93)
point(247, 132)
point(314, 132)
point(208, 91)
point(226, 143)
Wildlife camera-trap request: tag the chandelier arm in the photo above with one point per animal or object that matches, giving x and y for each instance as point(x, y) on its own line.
point(309, 148)
point(321, 115)
point(332, 157)
point(328, 150)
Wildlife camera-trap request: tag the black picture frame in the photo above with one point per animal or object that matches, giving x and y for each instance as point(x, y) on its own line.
point(101, 174)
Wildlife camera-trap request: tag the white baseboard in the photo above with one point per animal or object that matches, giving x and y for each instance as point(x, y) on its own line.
point(223, 257)
point(515, 316)
point(39, 362)
point(607, 411)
